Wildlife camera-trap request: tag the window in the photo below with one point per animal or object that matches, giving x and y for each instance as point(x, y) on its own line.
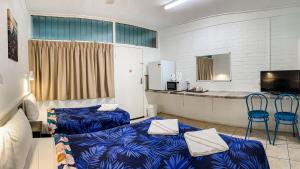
point(132, 35)
point(62, 28)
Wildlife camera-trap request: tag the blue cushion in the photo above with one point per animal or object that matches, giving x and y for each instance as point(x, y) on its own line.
point(285, 116)
point(258, 114)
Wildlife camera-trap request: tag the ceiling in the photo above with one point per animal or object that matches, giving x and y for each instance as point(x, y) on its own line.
point(150, 13)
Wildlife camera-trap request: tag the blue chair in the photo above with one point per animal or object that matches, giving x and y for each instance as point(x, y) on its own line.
point(257, 113)
point(286, 117)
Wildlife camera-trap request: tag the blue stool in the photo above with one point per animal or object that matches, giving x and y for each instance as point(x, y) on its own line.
point(257, 113)
point(286, 117)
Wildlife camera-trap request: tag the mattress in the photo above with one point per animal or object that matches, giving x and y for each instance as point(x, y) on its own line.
point(84, 120)
point(130, 146)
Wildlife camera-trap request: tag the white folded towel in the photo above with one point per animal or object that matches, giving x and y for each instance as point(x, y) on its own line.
point(164, 127)
point(108, 107)
point(205, 142)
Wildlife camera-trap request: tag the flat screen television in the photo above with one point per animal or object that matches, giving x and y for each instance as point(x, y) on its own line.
point(287, 81)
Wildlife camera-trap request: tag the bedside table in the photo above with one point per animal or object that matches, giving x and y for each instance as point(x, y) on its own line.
point(37, 127)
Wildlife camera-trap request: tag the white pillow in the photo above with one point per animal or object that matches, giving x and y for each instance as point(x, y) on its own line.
point(20, 133)
point(31, 107)
point(108, 107)
point(6, 150)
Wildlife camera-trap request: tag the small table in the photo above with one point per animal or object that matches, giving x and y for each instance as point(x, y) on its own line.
point(36, 127)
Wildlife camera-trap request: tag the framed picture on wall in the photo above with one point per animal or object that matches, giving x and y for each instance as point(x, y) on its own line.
point(12, 30)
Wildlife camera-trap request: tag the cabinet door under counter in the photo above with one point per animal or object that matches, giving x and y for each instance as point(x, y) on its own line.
point(198, 108)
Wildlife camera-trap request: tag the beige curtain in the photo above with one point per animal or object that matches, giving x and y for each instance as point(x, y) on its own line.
point(205, 68)
point(71, 70)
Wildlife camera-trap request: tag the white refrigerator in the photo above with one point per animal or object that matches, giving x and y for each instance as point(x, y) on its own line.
point(159, 73)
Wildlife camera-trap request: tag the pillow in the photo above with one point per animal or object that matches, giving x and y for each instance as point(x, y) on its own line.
point(6, 150)
point(20, 133)
point(31, 107)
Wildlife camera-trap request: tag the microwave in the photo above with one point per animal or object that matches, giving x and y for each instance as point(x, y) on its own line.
point(177, 85)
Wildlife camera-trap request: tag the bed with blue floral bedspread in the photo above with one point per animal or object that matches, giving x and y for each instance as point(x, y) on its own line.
point(130, 146)
point(84, 120)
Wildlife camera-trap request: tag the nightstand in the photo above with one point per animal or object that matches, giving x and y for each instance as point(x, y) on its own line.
point(36, 127)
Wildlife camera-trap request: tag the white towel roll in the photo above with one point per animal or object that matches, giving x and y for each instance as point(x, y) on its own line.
point(164, 127)
point(205, 142)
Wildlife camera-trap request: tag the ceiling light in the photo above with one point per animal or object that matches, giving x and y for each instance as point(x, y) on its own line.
point(174, 3)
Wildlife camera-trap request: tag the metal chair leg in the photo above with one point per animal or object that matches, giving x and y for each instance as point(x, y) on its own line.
point(251, 127)
point(276, 130)
point(297, 131)
point(267, 131)
point(294, 130)
point(247, 129)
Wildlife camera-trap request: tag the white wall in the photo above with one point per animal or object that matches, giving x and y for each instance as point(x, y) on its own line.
point(13, 73)
point(257, 41)
point(285, 36)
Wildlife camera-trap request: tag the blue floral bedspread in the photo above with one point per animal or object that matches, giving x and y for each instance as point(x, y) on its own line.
point(84, 120)
point(130, 146)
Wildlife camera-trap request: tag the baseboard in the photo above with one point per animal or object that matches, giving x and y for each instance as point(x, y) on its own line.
point(137, 118)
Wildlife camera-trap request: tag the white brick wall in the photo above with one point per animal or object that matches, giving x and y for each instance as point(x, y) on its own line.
point(246, 36)
point(285, 37)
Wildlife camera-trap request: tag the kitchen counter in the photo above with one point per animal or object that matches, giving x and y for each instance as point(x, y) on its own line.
point(214, 94)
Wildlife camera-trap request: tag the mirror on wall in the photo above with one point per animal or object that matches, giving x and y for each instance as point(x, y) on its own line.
point(213, 67)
